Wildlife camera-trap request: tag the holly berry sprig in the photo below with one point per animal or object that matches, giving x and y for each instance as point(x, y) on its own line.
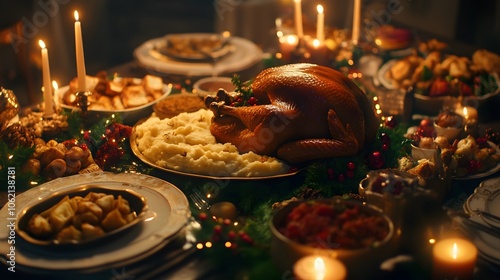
point(246, 97)
point(219, 233)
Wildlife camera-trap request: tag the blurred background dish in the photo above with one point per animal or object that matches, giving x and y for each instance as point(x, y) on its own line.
point(245, 55)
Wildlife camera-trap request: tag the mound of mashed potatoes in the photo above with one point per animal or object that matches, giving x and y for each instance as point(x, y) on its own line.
point(184, 143)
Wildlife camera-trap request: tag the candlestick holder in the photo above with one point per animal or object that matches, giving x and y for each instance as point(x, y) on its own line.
point(83, 103)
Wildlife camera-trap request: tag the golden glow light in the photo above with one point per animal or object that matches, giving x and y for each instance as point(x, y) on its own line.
point(319, 267)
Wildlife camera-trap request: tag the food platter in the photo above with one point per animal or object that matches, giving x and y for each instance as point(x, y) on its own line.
point(136, 202)
point(244, 54)
point(168, 215)
point(135, 149)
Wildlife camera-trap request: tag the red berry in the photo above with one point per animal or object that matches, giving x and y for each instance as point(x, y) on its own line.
point(252, 100)
point(341, 177)
point(376, 160)
point(385, 138)
point(217, 229)
point(385, 147)
point(202, 216)
point(391, 122)
point(331, 173)
point(351, 165)
point(425, 123)
point(350, 174)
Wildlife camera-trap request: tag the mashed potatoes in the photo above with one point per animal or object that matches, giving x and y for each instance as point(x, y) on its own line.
point(184, 143)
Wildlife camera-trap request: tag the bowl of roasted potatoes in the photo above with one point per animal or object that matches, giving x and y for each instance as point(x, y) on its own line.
point(82, 216)
point(111, 95)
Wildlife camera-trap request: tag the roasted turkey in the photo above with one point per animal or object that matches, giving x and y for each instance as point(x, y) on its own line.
point(304, 112)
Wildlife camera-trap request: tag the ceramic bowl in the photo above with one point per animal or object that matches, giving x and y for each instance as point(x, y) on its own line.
point(137, 204)
point(210, 85)
point(451, 133)
point(418, 153)
point(128, 116)
point(285, 252)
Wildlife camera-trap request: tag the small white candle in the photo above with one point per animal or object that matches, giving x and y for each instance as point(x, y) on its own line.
point(356, 21)
point(80, 60)
point(47, 87)
point(319, 268)
point(298, 18)
point(320, 24)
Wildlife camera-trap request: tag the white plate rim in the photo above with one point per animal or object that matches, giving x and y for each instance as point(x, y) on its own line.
point(246, 54)
point(178, 218)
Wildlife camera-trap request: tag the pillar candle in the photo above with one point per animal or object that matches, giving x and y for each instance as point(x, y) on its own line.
point(319, 267)
point(287, 45)
point(298, 18)
point(47, 86)
point(356, 21)
point(454, 258)
point(80, 60)
point(318, 52)
point(320, 24)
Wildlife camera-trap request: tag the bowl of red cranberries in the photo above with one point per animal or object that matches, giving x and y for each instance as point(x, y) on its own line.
point(344, 229)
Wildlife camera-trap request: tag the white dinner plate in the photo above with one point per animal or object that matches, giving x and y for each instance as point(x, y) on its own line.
point(244, 55)
point(167, 202)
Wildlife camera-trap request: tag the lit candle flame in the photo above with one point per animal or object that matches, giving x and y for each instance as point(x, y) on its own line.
point(55, 86)
point(291, 40)
point(319, 268)
point(316, 43)
point(454, 251)
point(319, 8)
point(76, 15)
point(41, 44)
point(466, 112)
